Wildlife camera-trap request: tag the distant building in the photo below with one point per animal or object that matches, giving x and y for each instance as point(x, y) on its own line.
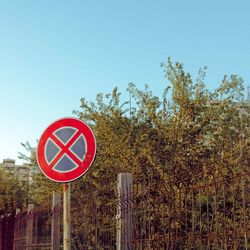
point(23, 172)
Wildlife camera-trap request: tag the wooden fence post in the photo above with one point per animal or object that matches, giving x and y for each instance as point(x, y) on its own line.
point(55, 224)
point(0, 232)
point(30, 219)
point(124, 212)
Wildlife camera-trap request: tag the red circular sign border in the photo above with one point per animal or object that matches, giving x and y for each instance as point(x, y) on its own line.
point(87, 161)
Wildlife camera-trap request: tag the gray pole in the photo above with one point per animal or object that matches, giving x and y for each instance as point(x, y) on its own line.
point(55, 225)
point(124, 212)
point(66, 216)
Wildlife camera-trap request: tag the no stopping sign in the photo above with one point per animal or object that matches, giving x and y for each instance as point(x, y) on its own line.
point(66, 149)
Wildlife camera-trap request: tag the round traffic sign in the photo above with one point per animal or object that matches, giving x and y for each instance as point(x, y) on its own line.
point(66, 149)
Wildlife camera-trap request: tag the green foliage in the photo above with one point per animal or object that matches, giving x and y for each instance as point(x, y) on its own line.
point(41, 189)
point(31, 159)
point(12, 194)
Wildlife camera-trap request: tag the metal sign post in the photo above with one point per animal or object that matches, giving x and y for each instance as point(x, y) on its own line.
point(66, 216)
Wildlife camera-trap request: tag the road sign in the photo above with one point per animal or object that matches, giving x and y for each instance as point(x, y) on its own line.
point(66, 150)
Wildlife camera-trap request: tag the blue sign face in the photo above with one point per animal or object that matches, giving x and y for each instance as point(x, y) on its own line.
point(64, 135)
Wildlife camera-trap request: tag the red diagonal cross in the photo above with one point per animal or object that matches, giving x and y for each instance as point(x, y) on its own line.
point(65, 149)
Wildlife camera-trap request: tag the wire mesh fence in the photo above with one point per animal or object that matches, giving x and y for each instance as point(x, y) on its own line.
point(212, 215)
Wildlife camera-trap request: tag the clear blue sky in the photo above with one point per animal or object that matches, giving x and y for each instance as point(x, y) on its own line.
point(52, 53)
